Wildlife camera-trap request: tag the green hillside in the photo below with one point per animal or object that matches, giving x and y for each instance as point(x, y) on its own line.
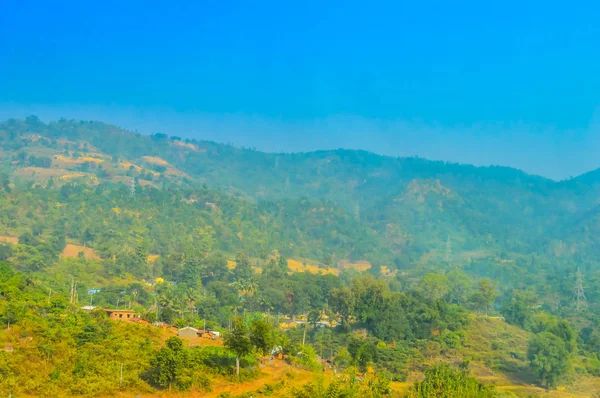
point(412, 263)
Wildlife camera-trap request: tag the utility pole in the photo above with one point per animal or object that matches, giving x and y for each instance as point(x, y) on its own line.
point(72, 293)
point(121, 378)
point(156, 308)
point(580, 301)
point(305, 329)
point(49, 295)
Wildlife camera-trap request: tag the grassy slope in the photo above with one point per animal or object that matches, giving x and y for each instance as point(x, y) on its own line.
point(498, 357)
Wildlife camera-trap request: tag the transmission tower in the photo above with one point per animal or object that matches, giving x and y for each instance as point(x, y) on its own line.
point(132, 189)
point(580, 301)
point(448, 250)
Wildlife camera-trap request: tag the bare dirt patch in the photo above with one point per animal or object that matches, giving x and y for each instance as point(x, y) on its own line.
point(72, 250)
point(9, 239)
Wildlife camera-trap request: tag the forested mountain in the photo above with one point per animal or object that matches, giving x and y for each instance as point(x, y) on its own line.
point(406, 259)
point(412, 205)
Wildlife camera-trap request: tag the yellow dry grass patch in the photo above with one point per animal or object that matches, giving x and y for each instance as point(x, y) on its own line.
point(146, 183)
point(70, 176)
point(127, 165)
point(359, 266)
point(155, 160)
point(152, 257)
point(188, 145)
point(79, 160)
point(39, 171)
point(72, 250)
point(386, 271)
point(9, 239)
point(297, 266)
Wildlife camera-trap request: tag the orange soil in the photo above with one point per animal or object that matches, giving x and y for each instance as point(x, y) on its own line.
point(72, 250)
point(9, 239)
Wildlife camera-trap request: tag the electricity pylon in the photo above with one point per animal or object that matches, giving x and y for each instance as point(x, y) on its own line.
point(580, 301)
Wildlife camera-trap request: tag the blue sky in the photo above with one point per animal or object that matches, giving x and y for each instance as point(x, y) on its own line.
point(513, 83)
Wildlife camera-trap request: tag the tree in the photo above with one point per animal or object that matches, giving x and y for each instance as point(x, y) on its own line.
point(242, 270)
point(565, 331)
point(342, 302)
point(459, 287)
point(549, 358)
point(261, 336)
point(168, 364)
point(485, 295)
point(518, 310)
point(238, 341)
point(5, 251)
point(443, 381)
point(434, 286)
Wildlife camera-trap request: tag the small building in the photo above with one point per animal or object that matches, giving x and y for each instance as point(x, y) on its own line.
point(204, 333)
point(188, 332)
point(122, 315)
point(88, 308)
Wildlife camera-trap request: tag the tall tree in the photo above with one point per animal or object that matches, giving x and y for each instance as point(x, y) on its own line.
point(238, 341)
point(261, 336)
point(549, 358)
point(168, 363)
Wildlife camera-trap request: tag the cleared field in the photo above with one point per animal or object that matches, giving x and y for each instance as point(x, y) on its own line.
point(298, 266)
point(9, 239)
point(360, 266)
point(78, 160)
point(72, 250)
point(40, 172)
point(155, 160)
point(127, 165)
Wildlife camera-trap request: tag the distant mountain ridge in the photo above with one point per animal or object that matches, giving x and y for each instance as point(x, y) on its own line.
point(413, 206)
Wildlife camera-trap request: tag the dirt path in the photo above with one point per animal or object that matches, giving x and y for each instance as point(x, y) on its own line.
point(271, 374)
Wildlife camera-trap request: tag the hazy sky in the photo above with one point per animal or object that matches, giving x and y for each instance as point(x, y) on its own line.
point(513, 83)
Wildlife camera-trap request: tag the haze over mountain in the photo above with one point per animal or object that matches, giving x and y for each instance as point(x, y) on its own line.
point(482, 85)
point(410, 256)
point(412, 205)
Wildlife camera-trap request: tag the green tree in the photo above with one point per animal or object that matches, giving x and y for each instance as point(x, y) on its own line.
point(168, 365)
point(443, 381)
point(459, 287)
point(549, 358)
point(485, 295)
point(342, 302)
point(238, 341)
point(518, 310)
point(261, 336)
point(434, 286)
